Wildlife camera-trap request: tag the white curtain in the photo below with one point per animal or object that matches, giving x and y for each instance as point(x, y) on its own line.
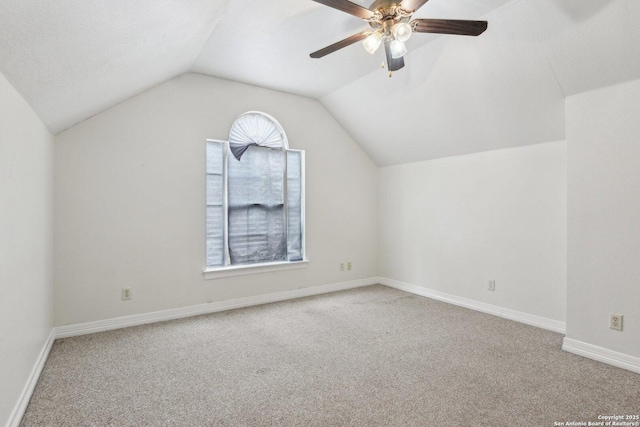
point(257, 221)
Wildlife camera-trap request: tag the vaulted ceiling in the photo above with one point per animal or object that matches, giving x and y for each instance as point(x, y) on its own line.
point(73, 59)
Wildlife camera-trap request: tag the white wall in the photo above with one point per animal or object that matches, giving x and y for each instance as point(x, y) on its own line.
point(452, 224)
point(129, 200)
point(603, 147)
point(26, 243)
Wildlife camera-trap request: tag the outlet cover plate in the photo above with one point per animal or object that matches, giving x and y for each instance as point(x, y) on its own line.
point(615, 321)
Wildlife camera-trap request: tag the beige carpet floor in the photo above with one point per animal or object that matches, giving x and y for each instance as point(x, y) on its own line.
point(372, 356)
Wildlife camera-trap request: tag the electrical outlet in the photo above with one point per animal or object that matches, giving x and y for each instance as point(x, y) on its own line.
point(349, 265)
point(492, 285)
point(615, 321)
point(126, 293)
point(342, 266)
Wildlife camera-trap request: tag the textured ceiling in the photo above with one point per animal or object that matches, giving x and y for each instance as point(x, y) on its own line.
point(268, 43)
point(590, 43)
point(72, 59)
point(505, 88)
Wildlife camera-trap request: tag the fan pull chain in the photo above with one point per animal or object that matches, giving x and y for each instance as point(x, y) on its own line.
point(382, 66)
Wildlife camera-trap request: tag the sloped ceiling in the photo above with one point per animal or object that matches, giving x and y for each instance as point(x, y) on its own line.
point(268, 43)
point(503, 89)
point(73, 59)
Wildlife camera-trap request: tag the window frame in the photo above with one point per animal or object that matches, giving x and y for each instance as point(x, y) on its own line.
point(228, 269)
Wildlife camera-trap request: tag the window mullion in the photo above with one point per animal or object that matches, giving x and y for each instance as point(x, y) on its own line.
point(225, 202)
point(285, 201)
point(303, 191)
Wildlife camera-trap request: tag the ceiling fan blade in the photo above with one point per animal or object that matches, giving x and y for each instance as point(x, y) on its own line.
point(339, 45)
point(393, 64)
point(412, 5)
point(449, 26)
point(348, 7)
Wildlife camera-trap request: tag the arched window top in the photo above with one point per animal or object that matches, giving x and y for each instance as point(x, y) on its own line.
point(256, 128)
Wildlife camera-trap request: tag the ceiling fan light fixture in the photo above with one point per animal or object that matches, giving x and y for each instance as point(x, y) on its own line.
point(372, 42)
point(391, 22)
point(398, 49)
point(401, 31)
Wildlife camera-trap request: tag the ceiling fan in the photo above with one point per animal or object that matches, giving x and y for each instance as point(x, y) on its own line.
point(391, 25)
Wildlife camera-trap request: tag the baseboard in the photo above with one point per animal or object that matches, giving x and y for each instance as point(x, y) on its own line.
point(160, 316)
point(25, 396)
point(518, 316)
point(196, 310)
point(602, 354)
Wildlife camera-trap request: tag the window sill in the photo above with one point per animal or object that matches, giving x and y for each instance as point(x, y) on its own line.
point(241, 270)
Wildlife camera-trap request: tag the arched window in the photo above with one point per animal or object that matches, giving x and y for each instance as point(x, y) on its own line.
point(255, 195)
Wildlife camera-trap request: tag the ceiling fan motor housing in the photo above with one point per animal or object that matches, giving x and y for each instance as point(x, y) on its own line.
point(383, 4)
point(387, 14)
